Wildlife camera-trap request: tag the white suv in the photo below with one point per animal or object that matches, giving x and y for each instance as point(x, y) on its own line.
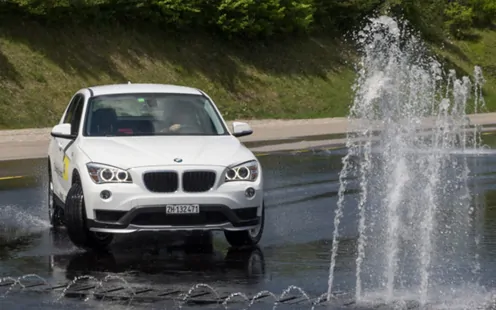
point(151, 157)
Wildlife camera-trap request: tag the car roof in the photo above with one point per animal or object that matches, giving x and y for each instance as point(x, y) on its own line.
point(113, 89)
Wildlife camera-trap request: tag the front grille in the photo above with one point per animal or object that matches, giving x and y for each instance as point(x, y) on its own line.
point(198, 181)
point(161, 218)
point(161, 182)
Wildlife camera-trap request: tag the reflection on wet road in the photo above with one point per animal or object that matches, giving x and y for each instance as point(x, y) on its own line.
point(300, 198)
point(295, 250)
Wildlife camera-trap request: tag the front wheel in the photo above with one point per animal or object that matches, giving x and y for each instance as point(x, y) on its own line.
point(55, 212)
point(75, 222)
point(247, 237)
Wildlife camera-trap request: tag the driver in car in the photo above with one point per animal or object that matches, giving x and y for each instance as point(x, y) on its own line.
point(182, 117)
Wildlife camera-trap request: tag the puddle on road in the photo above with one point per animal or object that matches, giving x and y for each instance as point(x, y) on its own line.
point(295, 249)
point(287, 245)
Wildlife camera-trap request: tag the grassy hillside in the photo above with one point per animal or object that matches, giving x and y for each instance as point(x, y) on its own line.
point(479, 49)
point(303, 77)
point(40, 69)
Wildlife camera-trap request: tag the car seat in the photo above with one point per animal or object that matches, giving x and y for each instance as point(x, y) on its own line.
point(103, 122)
point(146, 126)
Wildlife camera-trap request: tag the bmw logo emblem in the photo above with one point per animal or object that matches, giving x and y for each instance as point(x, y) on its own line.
point(178, 160)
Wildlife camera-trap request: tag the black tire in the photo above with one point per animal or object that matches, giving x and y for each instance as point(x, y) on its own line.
point(75, 222)
point(247, 237)
point(55, 212)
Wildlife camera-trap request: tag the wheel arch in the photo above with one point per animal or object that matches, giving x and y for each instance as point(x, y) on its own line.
point(49, 166)
point(75, 177)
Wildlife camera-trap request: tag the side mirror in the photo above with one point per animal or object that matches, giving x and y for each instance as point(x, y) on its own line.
point(62, 131)
point(241, 129)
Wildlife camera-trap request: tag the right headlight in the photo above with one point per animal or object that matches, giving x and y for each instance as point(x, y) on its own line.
point(107, 174)
point(243, 172)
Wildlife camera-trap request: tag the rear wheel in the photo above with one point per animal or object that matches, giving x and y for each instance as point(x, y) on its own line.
point(247, 237)
point(75, 221)
point(55, 212)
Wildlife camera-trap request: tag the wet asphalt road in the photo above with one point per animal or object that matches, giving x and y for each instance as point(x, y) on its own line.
point(295, 248)
point(301, 195)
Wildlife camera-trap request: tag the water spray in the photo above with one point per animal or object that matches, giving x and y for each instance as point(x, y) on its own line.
point(422, 116)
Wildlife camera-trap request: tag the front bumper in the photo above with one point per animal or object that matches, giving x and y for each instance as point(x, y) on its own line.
point(154, 218)
point(135, 207)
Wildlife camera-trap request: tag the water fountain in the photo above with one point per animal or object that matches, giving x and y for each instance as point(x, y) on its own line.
point(289, 294)
point(415, 216)
point(414, 207)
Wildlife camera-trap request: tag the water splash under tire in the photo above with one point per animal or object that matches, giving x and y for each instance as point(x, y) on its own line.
point(55, 212)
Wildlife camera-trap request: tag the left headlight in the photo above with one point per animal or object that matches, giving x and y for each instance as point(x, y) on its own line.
point(101, 174)
point(244, 172)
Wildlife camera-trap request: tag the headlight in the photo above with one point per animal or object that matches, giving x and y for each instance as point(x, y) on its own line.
point(101, 174)
point(244, 172)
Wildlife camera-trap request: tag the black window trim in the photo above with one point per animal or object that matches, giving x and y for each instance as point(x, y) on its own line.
point(79, 104)
point(202, 95)
point(70, 108)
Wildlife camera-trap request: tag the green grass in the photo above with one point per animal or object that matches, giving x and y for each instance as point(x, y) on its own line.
point(41, 67)
point(479, 49)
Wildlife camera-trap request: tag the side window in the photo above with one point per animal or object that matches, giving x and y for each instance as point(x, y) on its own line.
point(78, 113)
point(70, 111)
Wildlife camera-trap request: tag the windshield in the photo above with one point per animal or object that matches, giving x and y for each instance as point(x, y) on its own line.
point(152, 114)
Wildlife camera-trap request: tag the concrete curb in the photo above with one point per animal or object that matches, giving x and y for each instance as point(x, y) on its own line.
point(263, 130)
point(275, 135)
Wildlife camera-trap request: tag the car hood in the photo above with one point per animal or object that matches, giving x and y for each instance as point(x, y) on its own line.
point(139, 151)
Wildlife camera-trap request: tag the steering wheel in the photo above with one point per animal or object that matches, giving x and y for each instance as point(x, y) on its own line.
point(192, 128)
point(181, 128)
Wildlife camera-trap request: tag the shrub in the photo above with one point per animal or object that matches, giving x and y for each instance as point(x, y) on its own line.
point(258, 18)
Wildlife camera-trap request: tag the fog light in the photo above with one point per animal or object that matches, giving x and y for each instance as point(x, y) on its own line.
point(105, 194)
point(250, 192)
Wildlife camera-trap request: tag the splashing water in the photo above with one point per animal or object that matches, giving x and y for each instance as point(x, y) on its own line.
point(15, 223)
point(76, 280)
point(415, 203)
point(234, 295)
point(267, 296)
point(288, 290)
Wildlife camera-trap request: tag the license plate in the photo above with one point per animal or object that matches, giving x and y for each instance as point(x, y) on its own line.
point(182, 209)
